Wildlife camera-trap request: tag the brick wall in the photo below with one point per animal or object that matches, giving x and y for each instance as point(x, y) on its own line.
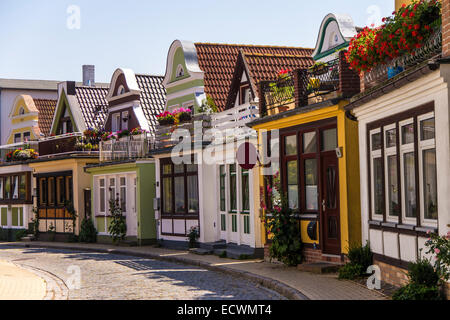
point(349, 81)
point(445, 28)
point(392, 274)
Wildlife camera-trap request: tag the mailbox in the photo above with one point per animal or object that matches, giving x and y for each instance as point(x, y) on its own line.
point(312, 230)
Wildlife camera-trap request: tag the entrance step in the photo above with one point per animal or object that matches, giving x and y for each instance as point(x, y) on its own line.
point(211, 246)
point(28, 238)
point(320, 267)
point(201, 252)
point(233, 253)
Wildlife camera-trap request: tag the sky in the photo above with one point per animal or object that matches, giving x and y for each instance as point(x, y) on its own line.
point(52, 39)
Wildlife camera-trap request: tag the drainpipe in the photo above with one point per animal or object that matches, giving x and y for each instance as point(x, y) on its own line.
point(350, 116)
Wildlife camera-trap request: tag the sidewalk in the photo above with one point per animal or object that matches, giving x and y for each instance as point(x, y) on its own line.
point(19, 284)
point(288, 281)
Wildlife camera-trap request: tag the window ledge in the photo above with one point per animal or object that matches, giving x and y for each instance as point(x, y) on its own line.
point(406, 227)
point(375, 223)
point(389, 224)
point(426, 229)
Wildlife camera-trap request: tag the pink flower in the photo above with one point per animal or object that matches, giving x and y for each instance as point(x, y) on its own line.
point(437, 251)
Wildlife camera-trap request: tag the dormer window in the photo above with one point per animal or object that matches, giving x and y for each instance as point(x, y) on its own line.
point(244, 94)
point(21, 111)
point(121, 90)
point(180, 71)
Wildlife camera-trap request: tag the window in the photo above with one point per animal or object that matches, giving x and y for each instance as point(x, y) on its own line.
point(329, 139)
point(244, 94)
point(17, 138)
point(391, 172)
point(223, 222)
point(377, 173)
point(290, 145)
point(246, 224)
point(403, 175)
point(292, 184)
point(233, 188)
point(15, 187)
point(115, 122)
point(245, 191)
point(102, 196)
point(112, 189)
point(180, 71)
point(120, 90)
point(26, 136)
point(51, 191)
point(309, 142)
point(123, 194)
point(1, 188)
point(60, 194)
point(21, 111)
point(222, 187)
point(311, 185)
point(179, 189)
point(234, 223)
point(43, 191)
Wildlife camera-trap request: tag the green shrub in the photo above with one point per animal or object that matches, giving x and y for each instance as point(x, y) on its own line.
point(351, 271)
point(360, 255)
point(415, 291)
point(88, 233)
point(21, 234)
point(422, 273)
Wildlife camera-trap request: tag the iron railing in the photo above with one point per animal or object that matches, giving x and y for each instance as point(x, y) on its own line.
point(313, 85)
point(432, 48)
point(129, 148)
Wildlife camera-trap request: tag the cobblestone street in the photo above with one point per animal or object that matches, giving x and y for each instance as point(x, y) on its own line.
point(106, 276)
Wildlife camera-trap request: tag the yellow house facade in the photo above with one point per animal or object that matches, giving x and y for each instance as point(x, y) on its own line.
point(315, 142)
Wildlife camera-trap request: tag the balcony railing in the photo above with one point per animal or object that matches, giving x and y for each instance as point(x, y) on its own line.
point(432, 48)
point(6, 149)
point(136, 147)
point(303, 87)
point(233, 122)
point(168, 136)
point(65, 144)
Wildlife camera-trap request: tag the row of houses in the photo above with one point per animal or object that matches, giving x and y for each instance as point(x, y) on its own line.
point(358, 156)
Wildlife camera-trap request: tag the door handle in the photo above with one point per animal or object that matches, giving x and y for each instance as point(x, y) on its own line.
point(323, 205)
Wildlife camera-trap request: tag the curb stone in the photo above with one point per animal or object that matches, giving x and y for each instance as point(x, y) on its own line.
point(272, 284)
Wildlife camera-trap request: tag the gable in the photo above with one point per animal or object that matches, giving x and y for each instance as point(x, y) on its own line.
point(334, 34)
point(62, 111)
point(179, 70)
point(123, 87)
point(23, 106)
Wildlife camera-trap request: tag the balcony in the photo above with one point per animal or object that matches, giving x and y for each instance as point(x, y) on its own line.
point(128, 148)
point(7, 151)
point(168, 136)
point(232, 123)
point(66, 144)
point(304, 87)
point(431, 49)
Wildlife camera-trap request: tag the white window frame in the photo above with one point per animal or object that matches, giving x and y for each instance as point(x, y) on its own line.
point(405, 149)
point(377, 154)
point(115, 122)
point(113, 187)
point(100, 190)
point(423, 146)
point(120, 187)
point(389, 152)
point(180, 72)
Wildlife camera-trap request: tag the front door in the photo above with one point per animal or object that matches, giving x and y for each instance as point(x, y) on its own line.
point(330, 205)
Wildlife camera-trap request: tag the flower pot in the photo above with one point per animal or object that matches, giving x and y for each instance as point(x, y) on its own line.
point(393, 71)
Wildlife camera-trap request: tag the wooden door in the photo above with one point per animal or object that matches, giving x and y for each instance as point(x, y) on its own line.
point(330, 205)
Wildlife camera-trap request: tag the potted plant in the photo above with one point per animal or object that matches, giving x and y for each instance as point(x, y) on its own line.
point(52, 232)
point(319, 68)
point(193, 236)
point(183, 115)
point(166, 118)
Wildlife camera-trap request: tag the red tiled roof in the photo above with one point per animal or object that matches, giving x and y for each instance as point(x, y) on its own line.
point(153, 97)
point(93, 105)
point(46, 110)
point(218, 62)
point(265, 67)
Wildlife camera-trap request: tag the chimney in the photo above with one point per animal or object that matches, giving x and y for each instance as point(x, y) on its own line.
point(89, 75)
point(445, 28)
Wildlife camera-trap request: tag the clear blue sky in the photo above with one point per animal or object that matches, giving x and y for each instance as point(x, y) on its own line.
point(35, 42)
